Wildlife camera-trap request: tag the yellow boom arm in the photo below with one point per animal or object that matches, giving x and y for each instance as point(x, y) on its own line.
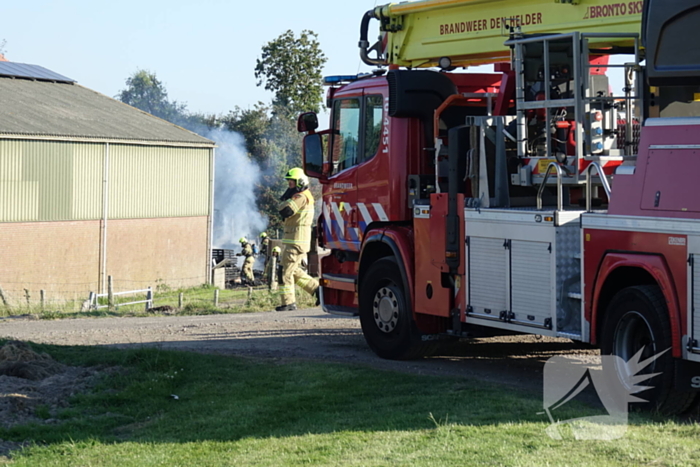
point(472, 32)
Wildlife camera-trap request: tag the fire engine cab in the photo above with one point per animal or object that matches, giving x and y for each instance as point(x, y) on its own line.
point(534, 199)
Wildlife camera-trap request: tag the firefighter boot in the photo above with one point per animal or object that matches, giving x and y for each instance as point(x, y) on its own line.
point(290, 307)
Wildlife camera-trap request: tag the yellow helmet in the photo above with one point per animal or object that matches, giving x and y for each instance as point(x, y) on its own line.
point(297, 174)
point(277, 250)
point(263, 235)
point(242, 240)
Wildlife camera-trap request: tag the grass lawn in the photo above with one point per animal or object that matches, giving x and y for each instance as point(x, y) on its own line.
point(233, 411)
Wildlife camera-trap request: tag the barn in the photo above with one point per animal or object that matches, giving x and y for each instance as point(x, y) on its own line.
point(91, 187)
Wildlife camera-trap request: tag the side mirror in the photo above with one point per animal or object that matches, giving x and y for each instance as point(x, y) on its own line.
point(313, 156)
point(307, 122)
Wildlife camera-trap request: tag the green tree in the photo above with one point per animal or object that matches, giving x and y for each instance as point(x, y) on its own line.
point(146, 92)
point(253, 124)
point(273, 142)
point(290, 67)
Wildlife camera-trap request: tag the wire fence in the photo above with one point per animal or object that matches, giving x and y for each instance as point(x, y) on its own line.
point(27, 297)
point(73, 290)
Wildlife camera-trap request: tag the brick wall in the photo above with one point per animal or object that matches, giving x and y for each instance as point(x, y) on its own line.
point(173, 251)
point(63, 258)
point(59, 257)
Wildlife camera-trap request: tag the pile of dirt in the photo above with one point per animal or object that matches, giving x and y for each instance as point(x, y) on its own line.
point(34, 387)
point(19, 360)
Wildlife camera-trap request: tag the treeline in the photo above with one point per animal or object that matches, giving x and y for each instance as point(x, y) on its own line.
point(288, 66)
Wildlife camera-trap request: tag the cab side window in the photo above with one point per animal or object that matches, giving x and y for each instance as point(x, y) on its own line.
point(346, 134)
point(373, 125)
point(357, 131)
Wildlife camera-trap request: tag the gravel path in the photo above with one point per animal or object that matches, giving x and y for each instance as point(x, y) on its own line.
point(306, 334)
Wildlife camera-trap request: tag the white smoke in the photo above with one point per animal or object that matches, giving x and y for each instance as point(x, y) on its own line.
point(235, 212)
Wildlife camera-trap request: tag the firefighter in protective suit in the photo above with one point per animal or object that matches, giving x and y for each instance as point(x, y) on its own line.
point(247, 277)
point(264, 244)
point(265, 249)
point(297, 211)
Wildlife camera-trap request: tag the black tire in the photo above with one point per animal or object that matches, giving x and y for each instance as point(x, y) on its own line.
point(385, 313)
point(638, 317)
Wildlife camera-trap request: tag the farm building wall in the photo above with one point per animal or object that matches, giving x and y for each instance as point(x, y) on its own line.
point(64, 258)
point(59, 257)
point(52, 216)
point(151, 252)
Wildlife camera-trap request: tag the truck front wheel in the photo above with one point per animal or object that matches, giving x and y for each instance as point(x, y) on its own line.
point(637, 319)
point(385, 313)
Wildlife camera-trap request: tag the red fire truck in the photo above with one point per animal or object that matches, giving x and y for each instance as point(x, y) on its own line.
point(528, 200)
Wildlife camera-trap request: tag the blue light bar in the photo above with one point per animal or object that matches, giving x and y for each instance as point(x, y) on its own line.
point(337, 79)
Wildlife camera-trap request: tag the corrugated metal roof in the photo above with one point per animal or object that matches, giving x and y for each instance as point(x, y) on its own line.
point(23, 70)
point(45, 109)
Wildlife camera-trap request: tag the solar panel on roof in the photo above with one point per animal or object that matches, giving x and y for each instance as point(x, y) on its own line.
point(22, 70)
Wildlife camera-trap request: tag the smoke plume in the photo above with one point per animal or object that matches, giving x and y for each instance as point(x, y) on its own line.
point(235, 212)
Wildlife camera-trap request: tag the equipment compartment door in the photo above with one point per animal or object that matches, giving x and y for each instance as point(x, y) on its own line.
point(488, 277)
point(532, 285)
point(694, 325)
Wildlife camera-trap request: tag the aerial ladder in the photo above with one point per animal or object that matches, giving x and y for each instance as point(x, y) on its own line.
point(565, 120)
point(459, 33)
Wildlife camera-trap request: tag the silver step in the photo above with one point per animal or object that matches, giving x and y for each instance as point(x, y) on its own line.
point(568, 335)
point(341, 310)
point(348, 278)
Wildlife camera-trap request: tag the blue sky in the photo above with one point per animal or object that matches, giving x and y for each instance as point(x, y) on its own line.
point(203, 51)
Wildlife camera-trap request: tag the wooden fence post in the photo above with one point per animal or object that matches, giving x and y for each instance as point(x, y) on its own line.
point(110, 292)
point(149, 299)
point(216, 298)
point(90, 299)
point(42, 293)
point(3, 298)
point(273, 274)
point(180, 300)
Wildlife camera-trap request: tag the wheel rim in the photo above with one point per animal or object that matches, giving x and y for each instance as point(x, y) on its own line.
point(633, 333)
point(385, 309)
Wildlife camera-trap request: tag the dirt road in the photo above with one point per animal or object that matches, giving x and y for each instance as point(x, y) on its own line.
point(306, 334)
